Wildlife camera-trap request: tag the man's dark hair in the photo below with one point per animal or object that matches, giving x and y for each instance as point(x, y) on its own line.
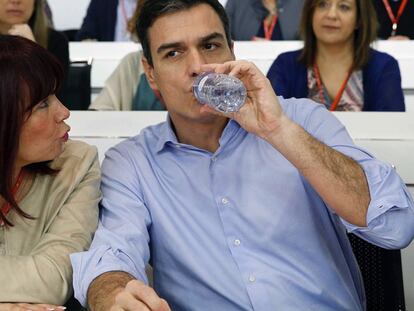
point(153, 9)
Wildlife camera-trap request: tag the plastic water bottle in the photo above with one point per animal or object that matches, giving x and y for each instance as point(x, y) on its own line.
point(220, 91)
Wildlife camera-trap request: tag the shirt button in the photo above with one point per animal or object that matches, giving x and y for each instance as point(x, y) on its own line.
point(224, 200)
point(252, 278)
point(177, 145)
point(214, 159)
point(237, 242)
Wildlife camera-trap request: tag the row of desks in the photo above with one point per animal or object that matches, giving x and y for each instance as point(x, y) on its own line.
point(389, 136)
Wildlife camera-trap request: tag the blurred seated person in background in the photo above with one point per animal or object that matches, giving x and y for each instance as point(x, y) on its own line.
point(264, 19)
point(49, 187)
point(127, 88)
point(27, 18)
point(396, 19)
point(107, 20)
point(337, 67)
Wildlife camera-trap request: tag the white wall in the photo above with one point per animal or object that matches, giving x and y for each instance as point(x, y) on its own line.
point(68, 14)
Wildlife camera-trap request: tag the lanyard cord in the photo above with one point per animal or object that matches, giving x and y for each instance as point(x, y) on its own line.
point(7, 206)
point(269, 28)
point(395, 19)
point(320, 88)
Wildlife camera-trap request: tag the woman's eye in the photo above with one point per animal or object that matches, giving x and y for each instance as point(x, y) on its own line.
point(344, 7)
point(43, 104)
point(322, 4)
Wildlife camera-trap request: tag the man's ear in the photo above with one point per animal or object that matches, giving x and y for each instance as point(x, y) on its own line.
point(149, 73)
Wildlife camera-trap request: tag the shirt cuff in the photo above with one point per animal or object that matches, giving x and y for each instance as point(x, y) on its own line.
point(386, 190)
point(90, 264)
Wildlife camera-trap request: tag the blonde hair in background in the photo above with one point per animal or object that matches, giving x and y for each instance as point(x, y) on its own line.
point(132, 23)
point(39, 23)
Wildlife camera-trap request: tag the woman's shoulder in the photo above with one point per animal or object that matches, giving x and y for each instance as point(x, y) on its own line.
point(131, 62)
point(76, 154)
point(289, 61)
point(290, 56)
point(378, 58)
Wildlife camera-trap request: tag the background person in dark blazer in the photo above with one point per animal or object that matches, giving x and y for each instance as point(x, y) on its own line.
point(247, 16)
point(101, 20)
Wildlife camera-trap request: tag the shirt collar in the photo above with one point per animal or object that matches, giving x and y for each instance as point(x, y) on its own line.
point(167, 134)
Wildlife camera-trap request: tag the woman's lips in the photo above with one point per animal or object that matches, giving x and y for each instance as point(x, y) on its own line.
point(65, 137)
point(330, 27)
point(14, 12)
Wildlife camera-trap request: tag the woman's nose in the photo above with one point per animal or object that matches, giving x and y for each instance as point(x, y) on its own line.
point(62, 112)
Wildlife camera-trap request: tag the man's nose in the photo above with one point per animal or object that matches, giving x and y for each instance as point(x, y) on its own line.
point(195, 60)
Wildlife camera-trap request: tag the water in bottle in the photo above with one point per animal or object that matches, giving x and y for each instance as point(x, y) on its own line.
point(220, 91)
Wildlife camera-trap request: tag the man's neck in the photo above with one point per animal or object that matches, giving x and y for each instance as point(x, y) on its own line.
point(203, 135)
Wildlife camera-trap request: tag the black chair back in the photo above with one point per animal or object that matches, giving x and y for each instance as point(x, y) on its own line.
point(76, 92)
point(382, 274)
point(73, 305)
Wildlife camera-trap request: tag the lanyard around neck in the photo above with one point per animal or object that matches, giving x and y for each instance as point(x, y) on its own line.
point(320, 88)
point(7, 206)
point(395, 19)
point(269, 28)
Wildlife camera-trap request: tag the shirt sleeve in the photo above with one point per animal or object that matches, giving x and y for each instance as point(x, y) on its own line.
point(121, 242)
point(390, 215)
point(45, 274)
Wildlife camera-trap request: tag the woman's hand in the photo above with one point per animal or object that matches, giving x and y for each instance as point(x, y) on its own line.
point(29, 306)
point(261, 113)
point(22, 30)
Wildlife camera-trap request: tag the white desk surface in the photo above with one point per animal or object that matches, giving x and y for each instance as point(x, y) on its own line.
point(389, 136)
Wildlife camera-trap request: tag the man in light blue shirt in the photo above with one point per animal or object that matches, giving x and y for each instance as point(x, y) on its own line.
point(249, 213)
